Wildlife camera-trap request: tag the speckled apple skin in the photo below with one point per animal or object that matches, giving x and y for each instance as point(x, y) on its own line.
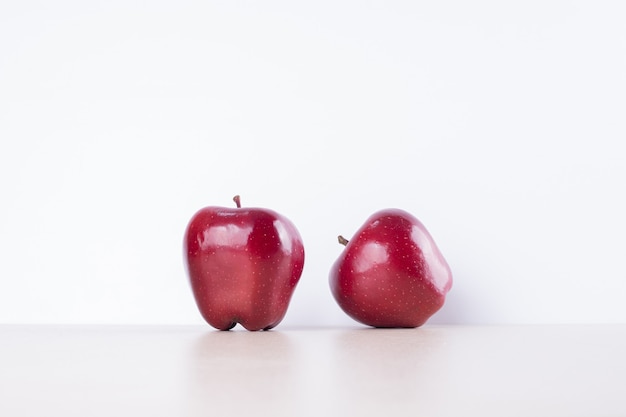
point(391, 273)
point(243, 265)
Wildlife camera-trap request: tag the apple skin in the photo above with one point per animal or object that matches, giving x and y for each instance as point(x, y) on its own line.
point(243, 265)
point(391, 273)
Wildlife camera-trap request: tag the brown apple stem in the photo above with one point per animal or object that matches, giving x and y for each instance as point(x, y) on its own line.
point(342, 240)
point(237, 201)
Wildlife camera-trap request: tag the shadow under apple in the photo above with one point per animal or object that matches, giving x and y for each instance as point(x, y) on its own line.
point(236, 372)
point(381, 369)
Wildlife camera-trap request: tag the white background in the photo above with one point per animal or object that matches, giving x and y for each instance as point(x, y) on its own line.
point(499, 124)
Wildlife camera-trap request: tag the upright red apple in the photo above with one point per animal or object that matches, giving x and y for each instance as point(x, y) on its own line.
point(391, 273)
point(243, 265)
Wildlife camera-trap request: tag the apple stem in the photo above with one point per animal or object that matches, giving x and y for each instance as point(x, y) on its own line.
point(237, 201)
point(342, 240)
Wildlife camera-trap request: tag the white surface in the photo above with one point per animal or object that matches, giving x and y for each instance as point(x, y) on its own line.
point(434, 371)
point(499, 125)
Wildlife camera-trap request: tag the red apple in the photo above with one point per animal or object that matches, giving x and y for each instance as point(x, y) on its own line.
point(243, 265)
point(391, 273)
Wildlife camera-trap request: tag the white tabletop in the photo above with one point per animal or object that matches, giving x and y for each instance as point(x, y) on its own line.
point(196, 371)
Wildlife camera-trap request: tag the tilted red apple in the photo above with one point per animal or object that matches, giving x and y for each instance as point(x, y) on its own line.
point(243, 265)
point(391, 273)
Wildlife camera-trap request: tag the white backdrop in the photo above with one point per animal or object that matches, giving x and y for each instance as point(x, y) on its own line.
point(500, 125)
